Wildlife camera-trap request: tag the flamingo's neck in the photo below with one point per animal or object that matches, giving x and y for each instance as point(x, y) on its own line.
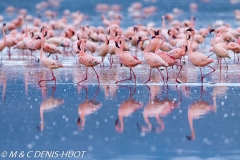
point(122, 44)
point(26, 30)
point(214, 40)
point(159, 45)
point(81, 53)
point(41, 53)
point(111, 34)
point(190, 48)
point(148, 46)
point(163, 23)
point(4, 36)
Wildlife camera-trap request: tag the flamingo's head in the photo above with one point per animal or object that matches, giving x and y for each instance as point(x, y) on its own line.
point(139, 39)
point(212, 30)
point(190, 29)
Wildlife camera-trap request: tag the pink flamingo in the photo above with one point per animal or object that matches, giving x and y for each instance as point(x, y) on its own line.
point(220, 51)
point(152, 59)
point(167, 58)
point(198, 59)
point(127, 59)
point(47, 62)
point(126, 108)
point(87, 59)
point(103, 49)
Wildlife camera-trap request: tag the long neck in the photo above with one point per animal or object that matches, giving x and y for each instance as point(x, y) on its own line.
point(82, 49)
point(122, 44)
point(190, 120)
point(106, 40)
point(214, 40)
point(26, 30)
point(159, 45)
point(41, 53)
point(170, 38)
point(190, 48)
point(163, 23)
point(186, 38)
point(4, 36)
point(148, 46)
point(41, 119)
point(111, 34)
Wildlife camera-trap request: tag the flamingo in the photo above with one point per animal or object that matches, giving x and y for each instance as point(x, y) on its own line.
point(86, 59)
point(103, 49)
point(198, 59)
point(47, 62)
point(152, 59)
point(127, 60)
point(220, 51)
point(167, 58)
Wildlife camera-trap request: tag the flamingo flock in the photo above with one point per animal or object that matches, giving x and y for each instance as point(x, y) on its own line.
point(170, 46)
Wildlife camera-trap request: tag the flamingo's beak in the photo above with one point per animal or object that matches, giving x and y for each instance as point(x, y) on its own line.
point(189, 29)
point(139, 39)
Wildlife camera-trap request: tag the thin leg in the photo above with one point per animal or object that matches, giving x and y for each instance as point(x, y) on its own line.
point(213, 70)
point(161, 75)
point(135, 79)
point(220, 63)
point(96, 74)
point(234, 56)
point(167, 74)
point(127, 78)
point(109, 58)
point(226, 63)
point(85, 77)
point(102, 61)
point(201, 74)
point(237, 57)
point(177, 80)
point(149, 76)
point(53, 79)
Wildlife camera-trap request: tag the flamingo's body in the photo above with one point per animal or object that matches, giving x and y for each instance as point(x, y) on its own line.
point(127, 59)
point(86, 59)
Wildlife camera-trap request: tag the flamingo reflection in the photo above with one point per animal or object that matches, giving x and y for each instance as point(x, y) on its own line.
point(157, 108)
point(197, 110)
point(125, 110)
point(3, 81)
point(47, 105)
point(86, 108)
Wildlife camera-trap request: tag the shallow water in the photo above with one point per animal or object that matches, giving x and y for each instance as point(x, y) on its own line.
point(174, 121)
